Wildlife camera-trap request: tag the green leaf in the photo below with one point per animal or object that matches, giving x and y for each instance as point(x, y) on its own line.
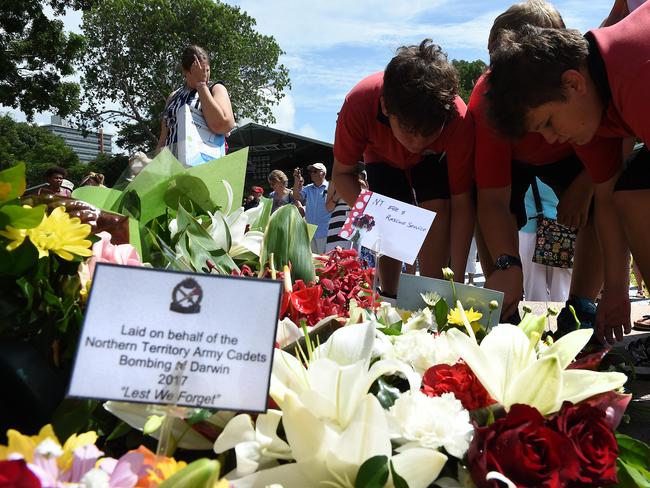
point(12, 182)
point(73, 416)
point(441, 310)
point(188, 191)
point(398, 481)
point(120, 430)
point(287, 239)
point(199, 416)
point(28, 290)
point(389, 331)
point(630, 476)
point(385, 393)
point(373, 473)
point(130, 205)
point(633, 451)
point(21, 217)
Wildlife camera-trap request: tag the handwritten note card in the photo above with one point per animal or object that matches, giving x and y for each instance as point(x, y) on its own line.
point(388, 226)
point(157, 336)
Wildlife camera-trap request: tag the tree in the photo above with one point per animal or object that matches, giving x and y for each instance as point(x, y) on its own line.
point(469, 72)
point(35, 55)
point(36, 146)
point(132, 62)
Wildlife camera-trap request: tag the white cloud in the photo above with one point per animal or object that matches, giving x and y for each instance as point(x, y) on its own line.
point(285, 113)
point(307, 130)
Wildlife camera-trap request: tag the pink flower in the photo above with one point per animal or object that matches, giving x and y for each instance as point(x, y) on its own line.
point(105, 252)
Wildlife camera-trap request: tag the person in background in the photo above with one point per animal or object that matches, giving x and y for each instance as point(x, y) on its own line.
point(313, 197)
point(639, 280)
point(54, 177)
point(211, 98)
point(92, 179)
point(339, 213)
point(256, 193)
point(414, 134)
point(280, 195)
point(541, 283)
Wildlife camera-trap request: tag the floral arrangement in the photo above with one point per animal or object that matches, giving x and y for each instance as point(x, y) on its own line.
point(392, 398)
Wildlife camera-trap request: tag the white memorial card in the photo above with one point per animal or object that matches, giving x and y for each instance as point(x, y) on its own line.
point(155, 336)
point(387, 226)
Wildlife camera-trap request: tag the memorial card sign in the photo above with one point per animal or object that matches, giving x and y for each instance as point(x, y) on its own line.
point(387, 226)
point(197, 144)
point(156, 336)
point(410, 288)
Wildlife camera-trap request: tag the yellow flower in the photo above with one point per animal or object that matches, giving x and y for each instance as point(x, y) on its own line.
point(62, 235)
point(16, 236)
point(25, 444)
point(165, 469)
point(454, 318)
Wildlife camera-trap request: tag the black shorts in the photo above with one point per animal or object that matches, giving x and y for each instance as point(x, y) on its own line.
point(428, 179)
point(636, 175)
point(558, 176)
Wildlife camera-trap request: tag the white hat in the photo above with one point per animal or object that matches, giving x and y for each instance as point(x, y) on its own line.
point(318, 166)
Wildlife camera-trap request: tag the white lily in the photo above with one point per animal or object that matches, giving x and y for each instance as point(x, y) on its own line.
point(336, 381)
point(327, 456)
point(255, 447)
point(507, 365)
point(229, 231)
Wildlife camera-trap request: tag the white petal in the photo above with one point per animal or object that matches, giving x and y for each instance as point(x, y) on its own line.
point(580, 384)
point(539, 386)
point(349, 344)
point(568, 347)
point(239, 429)
point(419, 467)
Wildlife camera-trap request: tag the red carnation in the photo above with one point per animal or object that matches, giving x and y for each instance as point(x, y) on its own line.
point(458, 379)
point(522, 447)
point(593, 442)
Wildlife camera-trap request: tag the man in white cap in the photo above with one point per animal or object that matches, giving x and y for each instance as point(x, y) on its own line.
point(313, 197)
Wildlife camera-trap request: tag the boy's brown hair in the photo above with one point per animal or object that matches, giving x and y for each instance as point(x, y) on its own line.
point(420, 87)
point(526, 71)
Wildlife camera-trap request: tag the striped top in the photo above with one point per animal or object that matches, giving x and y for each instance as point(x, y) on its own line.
point(182, 96)
point(337, 219)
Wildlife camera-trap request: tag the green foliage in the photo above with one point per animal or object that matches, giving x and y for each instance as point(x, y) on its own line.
point(35, 146)
point(286, 238)
point(633, 462)
point(133, 62)
point(35, 55)
point(469, 72)
point(373, 473)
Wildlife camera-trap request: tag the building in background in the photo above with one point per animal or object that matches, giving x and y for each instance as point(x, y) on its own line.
point(87, 147)
point(270, 149)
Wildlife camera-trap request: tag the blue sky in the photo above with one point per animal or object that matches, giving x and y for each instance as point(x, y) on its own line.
point(331, 45)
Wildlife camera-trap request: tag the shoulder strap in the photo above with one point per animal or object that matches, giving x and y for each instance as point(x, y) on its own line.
point(538, 200)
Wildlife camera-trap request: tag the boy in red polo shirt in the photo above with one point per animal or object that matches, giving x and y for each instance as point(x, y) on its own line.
point(414, 133)
point(504, 170)
point(589, 90)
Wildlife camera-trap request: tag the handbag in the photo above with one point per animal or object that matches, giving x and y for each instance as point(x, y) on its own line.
point(555, 243)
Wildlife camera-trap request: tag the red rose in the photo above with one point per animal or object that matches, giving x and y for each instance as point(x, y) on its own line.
point(16, 474)
point(593, 441)
point(459, 380)
point(524, 449)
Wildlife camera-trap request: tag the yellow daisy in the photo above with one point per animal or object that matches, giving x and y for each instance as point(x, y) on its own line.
point(454, 318)
point(62, 235)
point(25, 444)
point(16, 236)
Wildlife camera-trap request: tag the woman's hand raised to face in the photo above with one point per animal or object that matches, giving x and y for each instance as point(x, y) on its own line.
point(199, 73)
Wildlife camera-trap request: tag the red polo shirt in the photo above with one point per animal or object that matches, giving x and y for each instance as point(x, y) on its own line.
point(362, 131)
point(625, 51)
point(494, 154)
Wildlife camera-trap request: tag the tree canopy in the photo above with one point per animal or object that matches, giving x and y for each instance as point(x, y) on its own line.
point(469, 72)
point(36, 146)
point(132, 62)
point(35, 56)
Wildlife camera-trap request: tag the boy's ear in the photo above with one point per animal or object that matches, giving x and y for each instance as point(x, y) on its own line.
point(573, 81)
point(383, 106)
